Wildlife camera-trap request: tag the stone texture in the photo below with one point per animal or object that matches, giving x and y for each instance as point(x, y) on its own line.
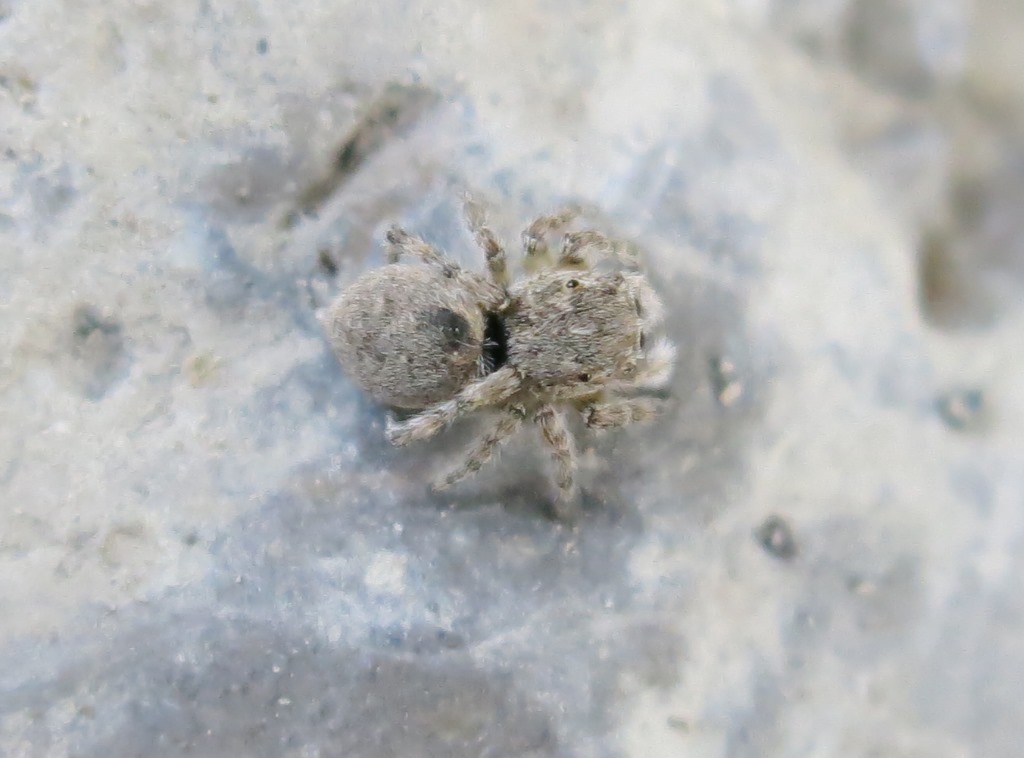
point(206, 545)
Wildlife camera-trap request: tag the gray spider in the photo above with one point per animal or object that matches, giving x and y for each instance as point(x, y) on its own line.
point(448, 342)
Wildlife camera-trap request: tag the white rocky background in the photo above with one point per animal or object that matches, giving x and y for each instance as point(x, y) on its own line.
point(206, 547)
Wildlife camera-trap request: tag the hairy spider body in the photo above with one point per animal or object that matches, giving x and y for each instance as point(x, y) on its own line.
point(565, 339)
point(410, 337)
point(568, 328)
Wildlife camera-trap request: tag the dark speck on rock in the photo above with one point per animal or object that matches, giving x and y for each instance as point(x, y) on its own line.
point(961, 408)
point(776, 537)
point(325, 262)
point(98, 349)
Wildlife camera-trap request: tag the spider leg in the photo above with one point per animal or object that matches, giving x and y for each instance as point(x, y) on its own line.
point(494, 253)
point(490, 294)
point(491, 390)
point(653, 372)
point(582, 248)
point(535, 243)
point(483, 449)
point(400, 242)
point(606, 414)
point(559, 439)
point(656, 369)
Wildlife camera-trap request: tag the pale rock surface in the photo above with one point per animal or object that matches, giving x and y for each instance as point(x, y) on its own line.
point(206, 545)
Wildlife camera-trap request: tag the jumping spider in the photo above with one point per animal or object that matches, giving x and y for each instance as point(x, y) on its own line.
point(447, 342)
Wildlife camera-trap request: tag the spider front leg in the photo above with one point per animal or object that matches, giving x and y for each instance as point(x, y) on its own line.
point(484, 449)
point(579, 249)
point(613, 413)
point(656, 369)
point(492, 390)
point(494, 253)
point(652, 373)
point(559, 439)
point(535, 243)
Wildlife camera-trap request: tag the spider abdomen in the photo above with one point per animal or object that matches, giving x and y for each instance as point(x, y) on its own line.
point(406, 336)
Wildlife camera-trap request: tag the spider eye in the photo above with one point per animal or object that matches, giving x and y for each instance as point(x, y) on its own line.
point(572, 284)
point(584, 377)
